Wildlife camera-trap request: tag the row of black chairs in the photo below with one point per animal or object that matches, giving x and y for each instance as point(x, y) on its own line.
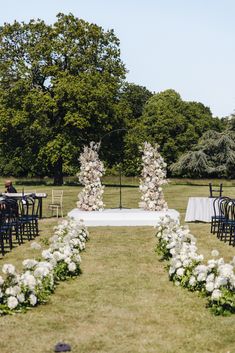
point(19, 220)
point(223, 220)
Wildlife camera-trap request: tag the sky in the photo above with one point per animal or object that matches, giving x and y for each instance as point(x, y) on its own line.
point(185, 45)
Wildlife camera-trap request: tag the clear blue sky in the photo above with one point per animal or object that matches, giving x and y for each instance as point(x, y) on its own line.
point(187, 45)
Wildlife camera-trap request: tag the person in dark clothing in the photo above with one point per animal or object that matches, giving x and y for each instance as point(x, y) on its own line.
point(9, 187)
point(12, 203)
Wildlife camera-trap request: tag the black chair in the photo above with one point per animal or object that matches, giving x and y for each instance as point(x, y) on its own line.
point(226, 229)
point(28, 217)
point(217, 218)
point(229, 222)
point(215, 192)
point(13, 213)
point(6, 217)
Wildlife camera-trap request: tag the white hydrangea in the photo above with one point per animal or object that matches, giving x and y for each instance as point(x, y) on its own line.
point(8, 269)
point(12, 302)
point(29, 263)
point(35, 246)
point(186, 264)
point(72, 267)
point(37, 276)
point(33, 299)
point(214, 253)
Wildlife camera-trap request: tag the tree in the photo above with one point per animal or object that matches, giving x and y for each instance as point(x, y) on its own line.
point(130, 108)
point(174, 124)
point(134, 97)
point(213, 156)
point(59, 87)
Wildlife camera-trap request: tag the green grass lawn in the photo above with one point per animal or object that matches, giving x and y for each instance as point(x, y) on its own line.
point(123, 302)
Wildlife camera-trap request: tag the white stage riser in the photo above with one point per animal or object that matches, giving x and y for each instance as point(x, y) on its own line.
point(120, 218)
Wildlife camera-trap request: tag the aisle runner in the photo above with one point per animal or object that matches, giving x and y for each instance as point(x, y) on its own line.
point(121, 217)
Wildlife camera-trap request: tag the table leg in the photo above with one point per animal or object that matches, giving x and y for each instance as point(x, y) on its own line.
point(40, 207)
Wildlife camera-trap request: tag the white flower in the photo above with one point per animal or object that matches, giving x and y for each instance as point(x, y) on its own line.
point(192, 281)
point(226, 270)
point(28, 280)
point(201, 277)
point(13, 291)
point(29, 263)
point(209, 286)
point(8, 269)
point(35, 246)
point(220, 281)
point(215, 253)
point(33, 299)
point(12, 302)
point(72, 266)
point(216, 294)
point(21, 297)
point(180, 272)
point(1, 281)
point(46, 254)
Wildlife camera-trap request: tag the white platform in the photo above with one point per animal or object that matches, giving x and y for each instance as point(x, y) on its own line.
point(123, 217)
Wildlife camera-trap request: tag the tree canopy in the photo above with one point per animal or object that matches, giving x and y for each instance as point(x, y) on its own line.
point(174, 124)
point(213, 156)
point(59, 86)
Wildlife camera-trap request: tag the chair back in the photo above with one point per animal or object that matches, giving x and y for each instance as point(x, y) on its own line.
point(28, 207)
point(215, 192)
point(229, 210)
point(57, 197)
point(223, 206)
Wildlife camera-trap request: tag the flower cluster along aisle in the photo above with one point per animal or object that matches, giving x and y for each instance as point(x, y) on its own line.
point(91, 171)
point(19, 291)
point(153, 176)
point(214, 279)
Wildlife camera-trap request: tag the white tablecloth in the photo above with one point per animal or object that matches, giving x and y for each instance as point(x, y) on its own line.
point(199, 209)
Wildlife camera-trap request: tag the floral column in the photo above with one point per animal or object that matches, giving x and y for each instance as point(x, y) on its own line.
point(91, 170)
point(153, 176)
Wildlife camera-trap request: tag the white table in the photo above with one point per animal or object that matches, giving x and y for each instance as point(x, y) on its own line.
point(199, 209)
point(20, 195)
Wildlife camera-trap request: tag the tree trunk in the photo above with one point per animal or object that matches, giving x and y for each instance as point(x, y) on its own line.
point(58, 174)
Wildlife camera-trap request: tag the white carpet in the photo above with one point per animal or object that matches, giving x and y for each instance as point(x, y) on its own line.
point(123, 217)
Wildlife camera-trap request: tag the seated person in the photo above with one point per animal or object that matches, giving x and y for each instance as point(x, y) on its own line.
point(13, 204)
point(9, 187)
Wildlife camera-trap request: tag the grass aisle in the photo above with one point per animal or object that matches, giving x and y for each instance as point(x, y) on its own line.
point(122, 303)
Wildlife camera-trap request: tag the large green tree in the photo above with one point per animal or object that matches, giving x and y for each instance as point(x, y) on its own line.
point(174, 124)
point(59, 89)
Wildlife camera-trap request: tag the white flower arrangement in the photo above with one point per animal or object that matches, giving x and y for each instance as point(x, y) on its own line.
point(216, 279)
point(91, 171)
point(60, 261)
point(153, 176)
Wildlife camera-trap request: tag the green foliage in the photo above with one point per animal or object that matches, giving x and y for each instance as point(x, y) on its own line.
point(59, 87)
point(174, 124)
point(214, 155)
point(61, 271)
